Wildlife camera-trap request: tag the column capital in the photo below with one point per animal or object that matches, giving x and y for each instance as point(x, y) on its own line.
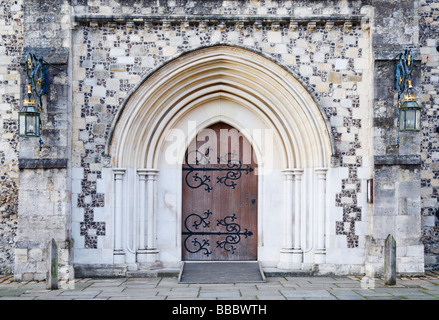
point(119, 172)
point(288, 174)
point(298, 174)
point(321, 172)
point(147, 174)
point(287, 171)
point(144, 172)
point(292, 171)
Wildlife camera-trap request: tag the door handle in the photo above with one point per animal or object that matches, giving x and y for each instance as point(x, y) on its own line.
point(253, 201)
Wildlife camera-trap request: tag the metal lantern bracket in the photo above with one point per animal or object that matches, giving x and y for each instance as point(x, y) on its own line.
point(36, 72)
point(403, 70)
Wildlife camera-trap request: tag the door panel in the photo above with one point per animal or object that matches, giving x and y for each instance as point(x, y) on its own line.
point(219, 197)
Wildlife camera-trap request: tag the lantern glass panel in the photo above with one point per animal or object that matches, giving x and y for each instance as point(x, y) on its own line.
point(401, 120)
point(418, 119)
point(22, 124)
point(32, 125)
point(410, 118)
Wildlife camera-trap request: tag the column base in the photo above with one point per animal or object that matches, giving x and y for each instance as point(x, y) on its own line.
point(320, 256)
point(148, 259)
point(290, 259)
point(118, 257)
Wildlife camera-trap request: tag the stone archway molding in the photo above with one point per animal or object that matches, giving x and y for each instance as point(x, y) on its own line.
point(142, 121)
point(185, 89)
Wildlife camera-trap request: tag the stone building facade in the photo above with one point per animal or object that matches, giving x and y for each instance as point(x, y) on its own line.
point(126, 75)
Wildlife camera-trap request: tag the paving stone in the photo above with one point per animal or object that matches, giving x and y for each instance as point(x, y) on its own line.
point(137, 298)
point(306, 294)
point(386, 298)
point(349, 297)
point(180, 298)
point(270, 297)
point(220, 294)
point(369, 293)
point(11, 293)
point(130, 291)
point(18, 298)
point(90, 294)
point(55, 298)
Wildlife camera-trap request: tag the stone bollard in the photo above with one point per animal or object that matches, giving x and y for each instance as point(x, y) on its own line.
point(390, 261)
point(52, 266)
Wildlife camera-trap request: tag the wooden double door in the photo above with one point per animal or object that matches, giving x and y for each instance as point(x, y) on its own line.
point(220, 190)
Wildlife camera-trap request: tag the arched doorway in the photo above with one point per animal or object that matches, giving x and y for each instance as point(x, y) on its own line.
point(248, 92)
point(219, 197)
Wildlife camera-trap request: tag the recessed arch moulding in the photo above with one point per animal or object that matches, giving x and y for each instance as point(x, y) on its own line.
point(262, 100)
point(245, 76)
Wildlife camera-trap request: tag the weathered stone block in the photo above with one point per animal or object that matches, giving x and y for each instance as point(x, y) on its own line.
point(42, 163)
point(21, 255)
point(35, 255)
point(397, 160)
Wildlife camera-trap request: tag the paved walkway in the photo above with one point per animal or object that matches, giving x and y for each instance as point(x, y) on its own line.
point(276, 288)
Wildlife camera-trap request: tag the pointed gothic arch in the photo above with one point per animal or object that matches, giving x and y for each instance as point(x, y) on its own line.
point(273, 91)
point(248, 91)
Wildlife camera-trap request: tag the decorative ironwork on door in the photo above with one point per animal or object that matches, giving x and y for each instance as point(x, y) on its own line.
point(232, 172)
point(233, 233)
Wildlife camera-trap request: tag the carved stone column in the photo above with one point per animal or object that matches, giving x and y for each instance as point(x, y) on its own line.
point(320, 255)
point(148, 255)
point(291, 253)
point(118, 252)
point(297, 249)
point(141, 252)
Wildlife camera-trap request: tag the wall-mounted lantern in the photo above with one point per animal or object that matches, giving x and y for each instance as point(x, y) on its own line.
point(37, 84)
point(409, 111)
point(29, 116)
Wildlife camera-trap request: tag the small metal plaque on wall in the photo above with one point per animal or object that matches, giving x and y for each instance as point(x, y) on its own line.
point(370, 191)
